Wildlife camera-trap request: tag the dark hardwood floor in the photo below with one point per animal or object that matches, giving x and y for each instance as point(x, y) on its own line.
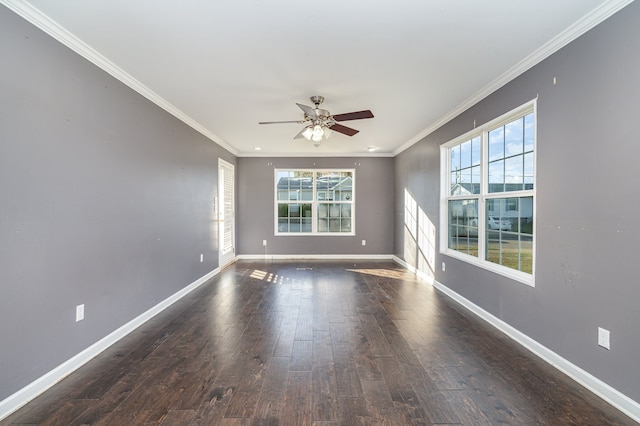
point(316, 343)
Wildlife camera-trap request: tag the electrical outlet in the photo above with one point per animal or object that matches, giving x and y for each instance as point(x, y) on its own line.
point(443, 267)
point(364, 242)
point(264, 242)
point(604, 338)
point(79, 312)
point(201, 258)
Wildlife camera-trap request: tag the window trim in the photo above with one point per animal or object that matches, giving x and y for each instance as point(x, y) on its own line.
point(314, 203)
point(484, 195)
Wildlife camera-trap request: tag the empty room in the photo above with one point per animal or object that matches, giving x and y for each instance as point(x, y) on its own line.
point(342, 213)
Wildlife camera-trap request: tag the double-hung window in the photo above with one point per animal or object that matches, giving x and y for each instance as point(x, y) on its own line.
point(314, 202)
point(488, 178)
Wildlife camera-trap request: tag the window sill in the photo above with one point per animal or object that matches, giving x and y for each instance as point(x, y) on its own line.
point(512, 274)
point(316, 234)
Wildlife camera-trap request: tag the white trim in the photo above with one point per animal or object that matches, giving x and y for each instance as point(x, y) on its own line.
point(314, 202)
point(38, 386)
point(595, 17)
point(315, 257)
point(226, 258)
point(482, 132)
point(614, 397)
point(308, 155)
point(33, 15)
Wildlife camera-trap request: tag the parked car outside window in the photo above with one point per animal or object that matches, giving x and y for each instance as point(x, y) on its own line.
point(499, 224)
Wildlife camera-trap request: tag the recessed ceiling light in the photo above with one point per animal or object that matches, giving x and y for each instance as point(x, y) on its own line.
point(257, 148)
point(372, 148)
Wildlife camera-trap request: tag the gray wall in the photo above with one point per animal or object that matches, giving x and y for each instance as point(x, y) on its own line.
point(587, 202)
point(105, 200)
point(373, 207)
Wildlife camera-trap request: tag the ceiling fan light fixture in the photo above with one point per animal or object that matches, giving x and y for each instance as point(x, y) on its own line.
point(317, 133)
point(307, 133)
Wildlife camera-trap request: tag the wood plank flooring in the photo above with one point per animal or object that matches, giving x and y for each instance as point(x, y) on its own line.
point(316, 343)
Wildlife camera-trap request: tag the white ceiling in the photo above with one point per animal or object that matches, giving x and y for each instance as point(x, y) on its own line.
point(224, 65)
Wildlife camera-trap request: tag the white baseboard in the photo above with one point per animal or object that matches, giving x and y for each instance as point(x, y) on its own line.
point(314, 257)
point(426, 278)
point(35, 388)
point(614, 397)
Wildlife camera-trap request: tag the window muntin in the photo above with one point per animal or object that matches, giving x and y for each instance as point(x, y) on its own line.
point(328, 202)
point(465, 168)
point(509, 233)
point(489, 198)
point(463, 226)
point(511, 155)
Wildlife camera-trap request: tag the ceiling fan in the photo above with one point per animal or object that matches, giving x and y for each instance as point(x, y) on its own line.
point(321, 123)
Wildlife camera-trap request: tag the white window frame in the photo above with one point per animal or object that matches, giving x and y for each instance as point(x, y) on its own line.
point(314, 203)
point(445, 197)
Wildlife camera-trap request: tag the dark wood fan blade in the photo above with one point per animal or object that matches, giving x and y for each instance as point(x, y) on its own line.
point(358, 115)
point(344, 129)
point(278, 122)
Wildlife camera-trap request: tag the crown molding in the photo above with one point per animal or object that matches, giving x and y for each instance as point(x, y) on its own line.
point(593, 18)
point(314, 155)
point(34, 16)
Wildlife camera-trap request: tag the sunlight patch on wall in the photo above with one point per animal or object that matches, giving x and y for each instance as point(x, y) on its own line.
point(410, 229)
point(426, 244)
point(419, 237)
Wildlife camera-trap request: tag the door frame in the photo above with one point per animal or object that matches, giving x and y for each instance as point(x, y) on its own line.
point(226, 257)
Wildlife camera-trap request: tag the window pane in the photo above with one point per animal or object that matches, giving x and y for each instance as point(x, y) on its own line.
point(289, 217)
point(526, 254)
point(294, 225)
point(514, 135)
point(465, 179)
point(475, 179)
point(465, 155)
point(292, 184)
point(528, 171)
point(494, 247)
point(528, 132)
point(526, 215)
point(496, 144)
point(514, 173)
point(453, 181)
point(475, 150)
point(463, 226)
point(339, 217)
point(334, 185)
point(496, 176)
point(509, 238)
point(455, 158)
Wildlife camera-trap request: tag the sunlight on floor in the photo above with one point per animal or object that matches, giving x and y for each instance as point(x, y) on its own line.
point(268, 277)
point(385, 273)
